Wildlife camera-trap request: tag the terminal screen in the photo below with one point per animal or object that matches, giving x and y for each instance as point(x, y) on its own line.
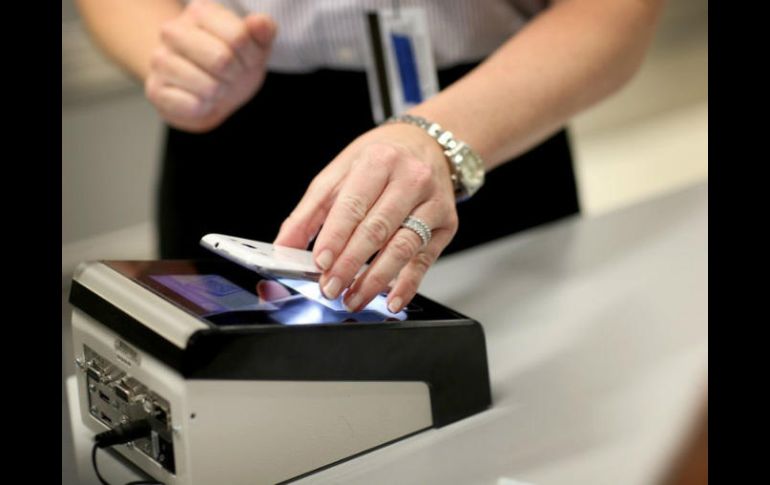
point(287, 301)
point(225, 294)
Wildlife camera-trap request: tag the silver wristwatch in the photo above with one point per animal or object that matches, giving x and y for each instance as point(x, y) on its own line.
point(466, 165)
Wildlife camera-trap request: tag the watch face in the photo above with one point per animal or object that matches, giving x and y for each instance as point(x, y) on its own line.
point(471, 172)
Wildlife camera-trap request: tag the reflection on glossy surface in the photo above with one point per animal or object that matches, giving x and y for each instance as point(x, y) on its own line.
point(225, 294)
point(311, 290)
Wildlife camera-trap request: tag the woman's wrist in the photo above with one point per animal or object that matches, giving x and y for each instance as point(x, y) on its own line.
point(466, 166)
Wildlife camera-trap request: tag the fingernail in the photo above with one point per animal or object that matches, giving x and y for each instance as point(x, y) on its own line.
point(353, 303)
point(332, 288)
point(324, 260)
point(395, 305)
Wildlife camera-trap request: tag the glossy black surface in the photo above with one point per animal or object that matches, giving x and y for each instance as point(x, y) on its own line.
point(151, 274)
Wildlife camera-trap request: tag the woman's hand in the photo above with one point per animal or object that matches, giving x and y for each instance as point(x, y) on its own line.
point(210, 62)
point(361, 198)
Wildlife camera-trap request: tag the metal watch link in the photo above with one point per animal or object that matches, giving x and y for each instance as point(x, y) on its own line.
point(466, 166)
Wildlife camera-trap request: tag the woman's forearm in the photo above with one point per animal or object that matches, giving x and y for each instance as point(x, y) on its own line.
point(568, 58)
point(128, 31)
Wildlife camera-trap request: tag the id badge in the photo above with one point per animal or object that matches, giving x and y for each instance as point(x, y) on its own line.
point(400, 70)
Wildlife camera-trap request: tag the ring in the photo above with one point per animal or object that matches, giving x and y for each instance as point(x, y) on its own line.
point(419, 227)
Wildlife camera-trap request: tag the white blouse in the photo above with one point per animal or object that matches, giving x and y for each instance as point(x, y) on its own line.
point(315, 34)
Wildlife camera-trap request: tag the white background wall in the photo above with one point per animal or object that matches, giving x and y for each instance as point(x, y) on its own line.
point(651, 137)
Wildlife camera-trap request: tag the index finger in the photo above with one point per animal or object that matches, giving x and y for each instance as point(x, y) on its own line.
point(231, 29)
point(303, 223)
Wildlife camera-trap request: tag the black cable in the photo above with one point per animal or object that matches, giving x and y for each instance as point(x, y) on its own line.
point(123, 433)
point(96, 468)
point(117, 436)
point(105, 482)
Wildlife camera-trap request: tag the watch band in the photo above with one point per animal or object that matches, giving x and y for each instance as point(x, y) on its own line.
point(455, 150)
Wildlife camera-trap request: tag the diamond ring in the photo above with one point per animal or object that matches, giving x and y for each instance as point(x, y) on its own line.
point(419, 227)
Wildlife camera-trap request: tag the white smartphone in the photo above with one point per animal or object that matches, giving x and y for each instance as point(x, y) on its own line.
point(264, 258)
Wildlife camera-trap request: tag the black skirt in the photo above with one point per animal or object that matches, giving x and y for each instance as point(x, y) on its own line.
point(245, 177)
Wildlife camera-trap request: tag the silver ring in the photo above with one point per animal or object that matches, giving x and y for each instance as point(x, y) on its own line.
point(418, 226)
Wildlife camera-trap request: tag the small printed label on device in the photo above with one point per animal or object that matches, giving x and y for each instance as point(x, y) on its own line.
point(126, 354)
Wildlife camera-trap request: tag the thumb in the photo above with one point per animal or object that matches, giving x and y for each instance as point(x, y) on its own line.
point(262, 28)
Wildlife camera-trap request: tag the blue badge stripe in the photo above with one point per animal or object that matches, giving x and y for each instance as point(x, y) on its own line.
point(407, 68)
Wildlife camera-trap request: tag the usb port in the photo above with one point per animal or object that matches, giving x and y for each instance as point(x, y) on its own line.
point(104, 397)
point(106, 419)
